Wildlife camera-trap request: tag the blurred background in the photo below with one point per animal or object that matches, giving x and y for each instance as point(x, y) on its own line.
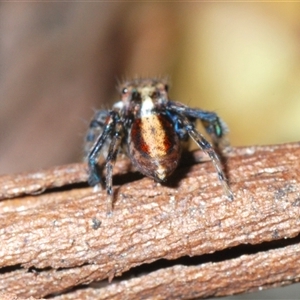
point(61, 61)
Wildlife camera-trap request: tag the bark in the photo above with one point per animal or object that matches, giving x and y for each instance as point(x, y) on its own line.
point(179, 240)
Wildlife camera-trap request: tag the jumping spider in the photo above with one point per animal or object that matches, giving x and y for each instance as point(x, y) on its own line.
point(148, 126)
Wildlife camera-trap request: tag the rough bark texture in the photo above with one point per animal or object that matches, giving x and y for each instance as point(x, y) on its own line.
point(181, 240)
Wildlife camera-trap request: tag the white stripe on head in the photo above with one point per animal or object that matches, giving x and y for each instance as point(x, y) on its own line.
point(118, 105)
point(147, 107)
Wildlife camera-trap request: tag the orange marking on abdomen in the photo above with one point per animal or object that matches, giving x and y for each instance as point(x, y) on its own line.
point(153, 135)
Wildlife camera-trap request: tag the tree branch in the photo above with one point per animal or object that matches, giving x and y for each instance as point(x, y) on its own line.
point(62, 237)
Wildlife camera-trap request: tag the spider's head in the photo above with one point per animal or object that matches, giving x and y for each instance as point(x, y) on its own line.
point(138, 92)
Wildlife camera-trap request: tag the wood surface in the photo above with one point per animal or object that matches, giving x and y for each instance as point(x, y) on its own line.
point(180, 240)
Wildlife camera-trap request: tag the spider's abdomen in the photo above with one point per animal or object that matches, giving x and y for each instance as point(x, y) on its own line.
point(154, 146)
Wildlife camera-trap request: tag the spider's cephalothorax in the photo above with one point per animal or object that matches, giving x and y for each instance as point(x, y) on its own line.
point(148, 127)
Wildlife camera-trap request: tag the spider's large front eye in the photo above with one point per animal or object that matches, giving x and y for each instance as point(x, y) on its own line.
point(124, 91)
point(166, 88)
point(135, 95)
point(155, 94)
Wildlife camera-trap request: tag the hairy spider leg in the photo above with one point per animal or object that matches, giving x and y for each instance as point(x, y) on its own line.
point(206, 147)
point(184, 124)
point(213, 125)
point(110, 160)
point(94, 176)
point(178, 125)
point(95, 129)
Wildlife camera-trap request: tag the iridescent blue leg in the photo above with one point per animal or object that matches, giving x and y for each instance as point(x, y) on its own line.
point(213, 125)
point(178, 126)
point(183, 119)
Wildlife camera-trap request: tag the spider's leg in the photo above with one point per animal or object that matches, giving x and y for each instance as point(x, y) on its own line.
point(178, 125)
point(95, 129)
point(206, 147)
point(94, 176)
point(212, 123)
point(110, 160)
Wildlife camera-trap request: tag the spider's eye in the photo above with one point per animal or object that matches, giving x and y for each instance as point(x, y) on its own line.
point(166, 87)
point(155, 94)
point(135, 95)
point(124, 91)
